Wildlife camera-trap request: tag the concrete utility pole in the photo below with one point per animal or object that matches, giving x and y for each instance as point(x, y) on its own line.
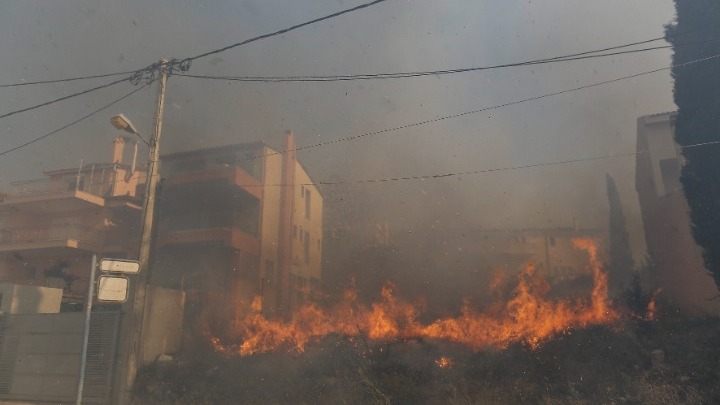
point(132, 328)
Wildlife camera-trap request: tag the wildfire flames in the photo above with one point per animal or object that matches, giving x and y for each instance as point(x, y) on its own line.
point(529, 317)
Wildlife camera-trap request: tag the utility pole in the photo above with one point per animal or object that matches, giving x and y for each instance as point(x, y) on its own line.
point(132, 325)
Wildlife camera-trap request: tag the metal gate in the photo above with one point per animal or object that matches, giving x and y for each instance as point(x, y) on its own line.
point(40, 356)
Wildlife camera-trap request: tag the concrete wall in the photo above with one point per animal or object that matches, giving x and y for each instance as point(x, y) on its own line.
point(164, 326)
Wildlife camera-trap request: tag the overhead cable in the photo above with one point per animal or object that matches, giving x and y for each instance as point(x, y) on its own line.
point(286, 30)
point(75, 121)
point(484, 171)
point(494, 107)
point(64, 97)
point(400, 75)
point(69, 79)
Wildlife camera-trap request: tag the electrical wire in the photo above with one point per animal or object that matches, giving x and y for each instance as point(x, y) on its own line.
point(69, 79)
point(490, 170)
point(398, 75)
point(8, 114)
point(401, 75)
point(495, 107)
point(76, 121)
point(286, 30)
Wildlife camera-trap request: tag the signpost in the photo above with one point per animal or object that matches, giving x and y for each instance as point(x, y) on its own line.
point(111, 287)
point(119, 266)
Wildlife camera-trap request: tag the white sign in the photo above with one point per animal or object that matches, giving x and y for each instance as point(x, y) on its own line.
point(113, 288)
point(119, 266)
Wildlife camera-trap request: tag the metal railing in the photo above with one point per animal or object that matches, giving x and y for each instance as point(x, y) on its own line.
point(51, 233)
point(48, 186)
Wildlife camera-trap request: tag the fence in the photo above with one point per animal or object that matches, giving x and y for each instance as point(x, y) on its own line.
point(40, 356)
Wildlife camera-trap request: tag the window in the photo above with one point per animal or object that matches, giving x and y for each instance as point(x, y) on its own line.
point(307, 204)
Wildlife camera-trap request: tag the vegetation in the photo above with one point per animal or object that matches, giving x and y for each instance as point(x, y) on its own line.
point(694, 36)
point(669, 361)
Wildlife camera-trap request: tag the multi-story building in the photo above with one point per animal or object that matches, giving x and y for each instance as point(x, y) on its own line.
point(50, 227)
point(237, 222)
point(234, 222)
point(677, 259)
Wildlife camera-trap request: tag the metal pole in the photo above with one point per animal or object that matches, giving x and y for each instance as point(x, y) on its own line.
point(77, 180)
point(140, 298)
point(86, 333)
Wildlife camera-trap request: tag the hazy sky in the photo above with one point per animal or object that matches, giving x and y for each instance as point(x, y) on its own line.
point(55, 39)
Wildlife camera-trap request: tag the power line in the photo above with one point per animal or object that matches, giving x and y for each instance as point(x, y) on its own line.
point(286, 30)
point(398, 75)
point(184, 64)
point(76, 121)
point(458, 115)
point(64, 97)
point(490, 170)
point(69, 79)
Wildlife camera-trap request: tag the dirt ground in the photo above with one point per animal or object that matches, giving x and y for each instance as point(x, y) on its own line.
point(673, 360)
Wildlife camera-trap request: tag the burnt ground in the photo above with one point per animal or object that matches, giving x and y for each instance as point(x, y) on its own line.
point(674, 360)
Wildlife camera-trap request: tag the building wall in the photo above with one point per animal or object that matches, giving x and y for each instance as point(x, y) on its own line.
point(270, 232)
point(307, 227)
point(680, 270)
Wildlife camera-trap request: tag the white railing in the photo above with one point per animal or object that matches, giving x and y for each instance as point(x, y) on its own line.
point(48, 186)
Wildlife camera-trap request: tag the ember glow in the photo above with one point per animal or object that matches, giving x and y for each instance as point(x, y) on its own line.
point(651, 313)
point(444, 362)
point(529, 317)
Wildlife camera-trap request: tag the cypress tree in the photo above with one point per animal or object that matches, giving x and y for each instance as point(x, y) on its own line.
point(695, 34)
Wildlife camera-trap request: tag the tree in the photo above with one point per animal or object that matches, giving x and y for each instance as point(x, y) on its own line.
point(621, 264)
point(694, 35)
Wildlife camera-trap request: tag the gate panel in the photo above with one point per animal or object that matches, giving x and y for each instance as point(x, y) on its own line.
point(40, 356)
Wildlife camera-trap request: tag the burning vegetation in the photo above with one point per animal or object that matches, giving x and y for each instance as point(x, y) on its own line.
point(528, 317)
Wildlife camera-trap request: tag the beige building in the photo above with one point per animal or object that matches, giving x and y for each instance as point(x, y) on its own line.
point(678, 260)
point(50, 227)
point(236, 222)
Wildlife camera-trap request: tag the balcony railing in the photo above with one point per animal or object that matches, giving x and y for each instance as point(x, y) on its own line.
point(47, 186)
point(52, 233)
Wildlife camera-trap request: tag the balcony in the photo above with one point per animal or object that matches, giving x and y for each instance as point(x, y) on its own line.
point(231, 237)
point(231, 175)
point(52, 195)
point(50, 237)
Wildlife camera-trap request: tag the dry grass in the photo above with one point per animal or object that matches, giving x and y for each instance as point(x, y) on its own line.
point(594, 366)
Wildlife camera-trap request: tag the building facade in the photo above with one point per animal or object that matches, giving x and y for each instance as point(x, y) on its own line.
point(677, 259)
point(51, 227)
point(237, 222)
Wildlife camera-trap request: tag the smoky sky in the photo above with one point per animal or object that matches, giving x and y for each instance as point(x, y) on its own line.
point(44, 39)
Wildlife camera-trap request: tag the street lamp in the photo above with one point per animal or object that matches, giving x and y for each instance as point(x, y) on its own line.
point(123, 123)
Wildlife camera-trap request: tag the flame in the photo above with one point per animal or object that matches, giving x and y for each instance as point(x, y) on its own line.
point(651, 312)
point(444, 362)
point(530, 317)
